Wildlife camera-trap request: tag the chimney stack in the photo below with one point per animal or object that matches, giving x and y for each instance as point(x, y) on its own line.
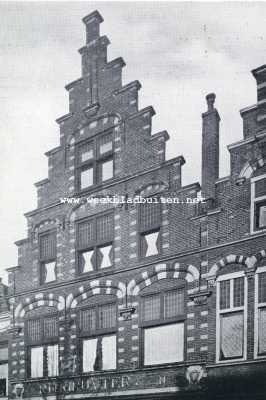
point(260, 76)
point(210, 148)
point(92, 22)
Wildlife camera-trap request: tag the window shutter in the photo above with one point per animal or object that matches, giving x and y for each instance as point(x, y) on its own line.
point(105, 228)
point(174, 303)
point(107, 316)
point(48, 246)
point(150, 215)
point(85, 234)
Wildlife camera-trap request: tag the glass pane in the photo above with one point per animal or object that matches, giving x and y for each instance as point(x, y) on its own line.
point(262, 287)
point(3, 353)
point(49, 275)
point(3, 379)
point(174, 303)
point(85, 260)
point(150, 215)
point(232, 335)
point(109, 352)
point(105, 256)
point(150, 244)
point(164, 344)
point(151, 307)
point(86, 178)
point(50, 327)
point(47, 246)
point(262, 330)
point(260, 188)
point(238, 292)
point(86, 235)
point(107, 316)
point(86, 152)
point(105, 228)
point(52, 360)
point(107, 170)
point(34, 329)
point(262, 216)
point(88, 320)
point(224, 294)
point(89, 354)
point(105, 144)
point(36, 362)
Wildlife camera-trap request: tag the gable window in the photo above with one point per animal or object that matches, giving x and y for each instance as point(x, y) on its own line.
point(42, 347)
point(260, 312)
point(162, 322)
point(94, 241)
point(231, 317)
point(97, 328)
point(149, 228)
point(95, 161)
point(258, 203)
point(47, 255)
point(3, 369)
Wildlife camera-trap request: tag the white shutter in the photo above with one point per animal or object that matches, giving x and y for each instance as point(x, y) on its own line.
point(109, 352)
point(164, 344)
point(52, 360)
point(36, 362)
point(89, 354)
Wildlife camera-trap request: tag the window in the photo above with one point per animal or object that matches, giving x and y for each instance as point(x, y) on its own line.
point(47, 254)
point(3, 369)
point(97, 327)
point(260, 312)
point(162, 320)
point(149, 226)
point(95, 161)
point(94, 241)
point(231, 317)
point(42, 337)
point(258, 203)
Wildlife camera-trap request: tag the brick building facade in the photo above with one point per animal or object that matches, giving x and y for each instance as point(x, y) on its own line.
point(129, 300)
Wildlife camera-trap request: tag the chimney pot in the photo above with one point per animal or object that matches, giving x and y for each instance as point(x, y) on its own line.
point(210, 98)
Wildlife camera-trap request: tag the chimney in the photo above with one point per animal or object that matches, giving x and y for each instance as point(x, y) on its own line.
point(210, 148)
point(92, 22)
point(260, 76)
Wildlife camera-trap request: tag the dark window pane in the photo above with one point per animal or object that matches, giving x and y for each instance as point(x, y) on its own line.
point(105, 228)
point(34, 330)
point(105, 144)
point(48, 246)
point(85, 152)
point(260, 188)
point(260, 214)
point(50, 327)
point(107, 316)
point(173, 303)
point(224, 294)
point(262, 330)
point(2, 387)
point(238, 292)
point(150, 215)
point(262, 287)
point(151, 308)
point(88, 320)
point(86, 235)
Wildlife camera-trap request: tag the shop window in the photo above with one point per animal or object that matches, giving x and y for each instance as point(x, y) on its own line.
point(95, 243)
point(162, 322)
point(97, 329)
point(47, 255)
point(231, 317)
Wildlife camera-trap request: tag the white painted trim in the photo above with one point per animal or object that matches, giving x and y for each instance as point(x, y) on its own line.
point(253, 200)
point(232, 275)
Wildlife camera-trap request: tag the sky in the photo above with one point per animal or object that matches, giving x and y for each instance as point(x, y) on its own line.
point(179, 51)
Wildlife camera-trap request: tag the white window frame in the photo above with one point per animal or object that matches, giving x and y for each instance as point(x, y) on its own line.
point(252, 203)
point(256, 313)
point(219, 312)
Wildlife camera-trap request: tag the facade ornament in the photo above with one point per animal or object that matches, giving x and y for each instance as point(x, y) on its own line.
point(194, 374)
point(127, 313)
point(200, 298)
point(250, 273)
point(18, 390)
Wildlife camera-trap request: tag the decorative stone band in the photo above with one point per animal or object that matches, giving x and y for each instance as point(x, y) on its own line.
point(96, 287)
point(162, 271)
point(39, 300)
point(248, 263)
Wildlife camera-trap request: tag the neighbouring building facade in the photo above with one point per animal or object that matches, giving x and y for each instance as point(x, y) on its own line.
point(140, 300)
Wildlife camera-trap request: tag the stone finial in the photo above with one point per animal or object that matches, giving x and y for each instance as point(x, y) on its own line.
point(210, 98)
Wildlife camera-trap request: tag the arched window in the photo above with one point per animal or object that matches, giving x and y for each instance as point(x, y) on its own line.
point(162, 320)
point(97, 326)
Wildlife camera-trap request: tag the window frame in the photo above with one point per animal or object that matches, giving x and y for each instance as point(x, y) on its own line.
point(94, 162)
point(228, 311)
point(254, 200)
point(46, 260)
point(4, 345)
point(182, 318)
point(42, 342)
point(142, 232)
point(96, 333)
point(96, 244)
point(257, 306)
